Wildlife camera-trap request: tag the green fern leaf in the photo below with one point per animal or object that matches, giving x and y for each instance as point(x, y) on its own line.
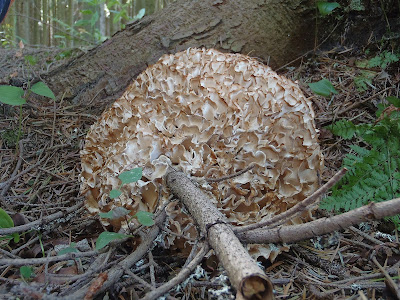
point(345, 129)
point(374, 166)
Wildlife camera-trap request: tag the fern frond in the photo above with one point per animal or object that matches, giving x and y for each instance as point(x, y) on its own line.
point(344, 128)
point(374, 170)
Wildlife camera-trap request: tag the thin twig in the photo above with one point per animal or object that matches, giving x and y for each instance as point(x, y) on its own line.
point(4, 252)
point(355, 104)
point(45, 220)
point(138, 279)
point(151, 268)
point(182, 275)
point(8, 183)
point(44, 260)
point(389, 280)
point(365, 235)
point(251, 166)
point(116, 272)
point(299, 207)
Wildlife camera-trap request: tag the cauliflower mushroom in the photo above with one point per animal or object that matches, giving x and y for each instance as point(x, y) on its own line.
point(208, 114)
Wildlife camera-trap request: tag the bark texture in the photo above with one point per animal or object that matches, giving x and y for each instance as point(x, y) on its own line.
point(245, 275)
point(274, 31)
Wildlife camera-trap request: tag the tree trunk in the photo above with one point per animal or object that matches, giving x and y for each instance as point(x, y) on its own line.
point(274, 31)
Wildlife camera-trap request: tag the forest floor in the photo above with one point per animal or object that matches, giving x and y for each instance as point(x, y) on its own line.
point(39, 181)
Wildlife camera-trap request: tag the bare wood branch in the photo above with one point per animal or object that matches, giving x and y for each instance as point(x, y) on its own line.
point(299, 207)
point(245, 275)
point(45, 220)
point(295, 233)
point(182, 275)
point(389, 281)
point(251, 166)
point(116, 272)
point(43, 260)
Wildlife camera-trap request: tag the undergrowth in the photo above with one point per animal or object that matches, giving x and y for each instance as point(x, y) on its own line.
point(373, 164)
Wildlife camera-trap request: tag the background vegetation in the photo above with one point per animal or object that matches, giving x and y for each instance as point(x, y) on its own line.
point(70, 23)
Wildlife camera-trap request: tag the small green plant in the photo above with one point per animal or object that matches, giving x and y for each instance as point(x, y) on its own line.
point(7, 222)
point(126, 177)
point(145, 218)
point(107, 237)
point(323, 88)
point(374, 164)
point(13, 95)
point(382, 60)
point(70, 249)
point(26, 272)
point(326, 8)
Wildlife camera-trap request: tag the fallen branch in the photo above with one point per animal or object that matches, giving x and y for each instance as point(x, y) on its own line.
point(42, 221)
point(38, 261)
point(180, 277)
point(116, 272)
point(389, 281)
point(295, 233)
point(245, 275)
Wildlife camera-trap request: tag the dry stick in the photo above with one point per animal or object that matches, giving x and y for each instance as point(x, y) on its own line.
point(152, 272)
point(6, 185)
point(49, 218)
point(118, 270)
point(355, 104)
point(366, 235)
point(139, 279)
point(245, 275)
point(251, 166)
point(79, 280)
point(6, 253)
point(182, 275)
point(299, 207)
point(295, 233)
point(38, 261)
point(389, 281)
point(392, 270)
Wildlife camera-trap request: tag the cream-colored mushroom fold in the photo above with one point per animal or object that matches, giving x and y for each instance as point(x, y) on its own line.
point(209, 114)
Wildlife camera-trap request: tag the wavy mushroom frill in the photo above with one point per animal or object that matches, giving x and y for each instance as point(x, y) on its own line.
point(209, 114)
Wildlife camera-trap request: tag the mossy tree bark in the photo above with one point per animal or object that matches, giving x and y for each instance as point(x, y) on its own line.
point(274, 31)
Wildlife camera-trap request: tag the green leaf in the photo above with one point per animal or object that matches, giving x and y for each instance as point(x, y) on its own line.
point(16, 237)
point(5, 219)
point(115, 194)
point(11, 95)
point(94, 19)
point(140, 14)
point(393, 100)
point(323, 87)
point(42, 89)
point(26, 272)
point(106, 237)
point(326, 8)
point(131, 175)
point(70, 249)
point(145, 218)
point(345, 129)
point(82, 23)
point(86, 12)
point(115, 213)
point(107, 215)
point(30, 60)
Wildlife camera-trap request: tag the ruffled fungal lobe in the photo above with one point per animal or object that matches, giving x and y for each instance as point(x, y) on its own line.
point(208, 114)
